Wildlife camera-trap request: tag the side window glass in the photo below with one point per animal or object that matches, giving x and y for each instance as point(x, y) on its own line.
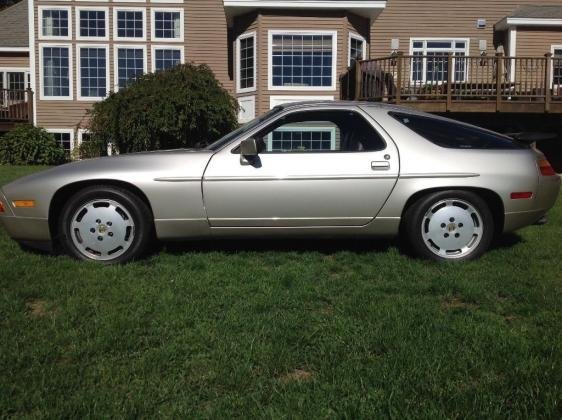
point(320, 132)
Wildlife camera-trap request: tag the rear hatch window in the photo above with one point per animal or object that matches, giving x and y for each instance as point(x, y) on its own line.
point(454, 135)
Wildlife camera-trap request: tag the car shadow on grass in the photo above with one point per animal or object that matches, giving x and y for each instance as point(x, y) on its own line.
point(301, 245)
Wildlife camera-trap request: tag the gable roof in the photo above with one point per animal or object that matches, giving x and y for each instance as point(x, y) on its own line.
point(14, 28)
point(537, 12)
point(532, 16)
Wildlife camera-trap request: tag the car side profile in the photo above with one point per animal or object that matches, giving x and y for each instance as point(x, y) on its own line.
point(307, 169)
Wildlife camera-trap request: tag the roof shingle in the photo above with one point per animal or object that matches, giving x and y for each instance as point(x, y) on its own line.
point(14, 30)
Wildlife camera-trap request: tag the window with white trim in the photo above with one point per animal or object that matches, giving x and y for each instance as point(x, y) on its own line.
point(93, 70)
point(166, 58)
point(64, 138)
point(557, 66)
point(357, 47)
point(16, 82)
point(430, 64)
point(92, 23)
point(55, 23)
point(130, 63)
point(55, 67)
point(302, 60)
point(246, 62)
point(167, 24)
point(130, 24)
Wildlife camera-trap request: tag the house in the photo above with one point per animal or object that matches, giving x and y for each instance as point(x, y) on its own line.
point(264, 52)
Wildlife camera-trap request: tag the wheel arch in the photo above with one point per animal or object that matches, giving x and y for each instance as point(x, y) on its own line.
point(67, 191)
point(491, 198)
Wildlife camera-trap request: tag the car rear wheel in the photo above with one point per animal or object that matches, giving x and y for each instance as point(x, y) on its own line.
point(106, 224)
point(449, 226)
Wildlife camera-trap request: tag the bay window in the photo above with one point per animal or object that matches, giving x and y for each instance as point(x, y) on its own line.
point(246, 58)
point(430, 62)
point(302, 60)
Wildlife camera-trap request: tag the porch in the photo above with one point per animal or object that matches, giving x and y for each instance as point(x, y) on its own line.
point(475, 83)
point(16, 106)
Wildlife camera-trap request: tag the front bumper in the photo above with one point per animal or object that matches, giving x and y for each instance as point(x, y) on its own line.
point(26, 228)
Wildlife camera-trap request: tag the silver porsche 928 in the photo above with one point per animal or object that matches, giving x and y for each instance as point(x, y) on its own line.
point(309, 169)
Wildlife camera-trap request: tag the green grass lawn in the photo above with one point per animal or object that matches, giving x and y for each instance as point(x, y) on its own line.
point(320, 329)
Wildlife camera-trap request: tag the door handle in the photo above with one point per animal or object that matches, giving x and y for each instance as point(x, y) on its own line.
point(380, 165)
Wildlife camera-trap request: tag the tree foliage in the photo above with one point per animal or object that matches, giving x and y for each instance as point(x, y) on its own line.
point(29, 145)
point(181, 107)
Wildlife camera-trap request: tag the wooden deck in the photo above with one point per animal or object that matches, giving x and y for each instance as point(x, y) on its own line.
point(475, 84)
point(16, 107)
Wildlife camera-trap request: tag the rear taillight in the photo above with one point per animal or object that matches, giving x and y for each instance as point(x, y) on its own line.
point(2, 209)
point(545, 168)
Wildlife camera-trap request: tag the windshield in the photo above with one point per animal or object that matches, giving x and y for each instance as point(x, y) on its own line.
point(242, 129)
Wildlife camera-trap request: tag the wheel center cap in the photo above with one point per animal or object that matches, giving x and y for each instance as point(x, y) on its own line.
point(102, 228)
point(451, 227)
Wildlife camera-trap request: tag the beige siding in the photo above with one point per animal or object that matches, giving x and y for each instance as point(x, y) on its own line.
point(537, 41)
point(205, 41)
point(14, 60)
point(404, 19)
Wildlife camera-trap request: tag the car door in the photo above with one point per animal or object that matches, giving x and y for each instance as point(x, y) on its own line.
point(316, 167)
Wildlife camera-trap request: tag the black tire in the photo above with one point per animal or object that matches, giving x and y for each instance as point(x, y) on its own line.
point(417, 221)
point(141, 233)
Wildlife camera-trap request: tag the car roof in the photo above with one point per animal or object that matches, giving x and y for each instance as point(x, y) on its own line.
point(382, 107)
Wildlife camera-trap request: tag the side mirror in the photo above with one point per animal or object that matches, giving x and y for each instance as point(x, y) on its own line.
point(249, 147)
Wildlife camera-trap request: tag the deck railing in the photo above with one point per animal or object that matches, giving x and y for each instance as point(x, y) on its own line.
point(452, 79)
point(16, 105)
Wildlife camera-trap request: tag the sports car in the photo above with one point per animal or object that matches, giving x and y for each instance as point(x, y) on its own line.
point(310, 169)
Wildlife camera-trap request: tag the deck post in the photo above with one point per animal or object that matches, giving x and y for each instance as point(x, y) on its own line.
point(29, 105)
point(450, 73)
point(547, 81)
point(358, 80)
point(499, 74)
point(399, 70)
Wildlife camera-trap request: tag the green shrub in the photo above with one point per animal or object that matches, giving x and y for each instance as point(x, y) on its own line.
point(181, 107)
point(30, 145)
point(89, 149)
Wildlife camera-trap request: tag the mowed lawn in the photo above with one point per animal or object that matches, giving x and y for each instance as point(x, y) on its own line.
point(284, 329)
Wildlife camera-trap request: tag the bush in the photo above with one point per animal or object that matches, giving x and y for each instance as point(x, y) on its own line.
point(89, 149)
point(181, 107)
point(30, 145)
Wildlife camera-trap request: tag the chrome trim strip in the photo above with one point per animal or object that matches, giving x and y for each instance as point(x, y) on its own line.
point(268, 219)
point(297, 178)
point(440, 175)
point(177, 179)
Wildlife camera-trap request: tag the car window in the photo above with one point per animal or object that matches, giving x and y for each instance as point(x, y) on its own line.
point(453, 135)
point(320, 131)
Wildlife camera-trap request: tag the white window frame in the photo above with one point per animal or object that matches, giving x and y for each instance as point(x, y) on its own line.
point(6, 70)
point(453, 40)
point(332, 131)
point(238, 68)
point(40, 10)
point(243, 101)
point(70, 73)
point(552, 49)
point(129, 9)
point(357, 37)
point(77, 21)
point(154, 48)
point(79, 96)
point(116, 47)
point(63, 131)
point(80, 135)
point(153, 24)
point(274, 32)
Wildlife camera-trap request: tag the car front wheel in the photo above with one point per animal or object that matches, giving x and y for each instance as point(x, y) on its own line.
point(449, 225)
point(106, 224)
